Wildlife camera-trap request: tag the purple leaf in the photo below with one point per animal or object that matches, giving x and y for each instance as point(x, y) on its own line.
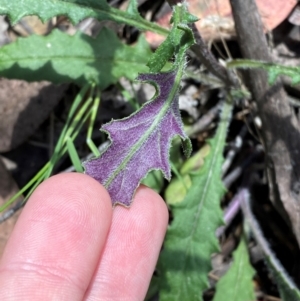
point(140, 142)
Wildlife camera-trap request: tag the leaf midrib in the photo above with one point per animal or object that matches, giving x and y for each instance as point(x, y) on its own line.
point(123, 15)
point(53, 58)
point(153, 126)
point(219, 143)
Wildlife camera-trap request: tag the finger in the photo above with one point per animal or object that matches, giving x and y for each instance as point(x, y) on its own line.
point(57, 241)
point(131, 250)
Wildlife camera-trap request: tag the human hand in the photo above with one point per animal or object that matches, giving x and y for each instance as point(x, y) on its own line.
point(69, 244)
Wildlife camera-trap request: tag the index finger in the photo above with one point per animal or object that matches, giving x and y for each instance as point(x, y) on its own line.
point(57, 241)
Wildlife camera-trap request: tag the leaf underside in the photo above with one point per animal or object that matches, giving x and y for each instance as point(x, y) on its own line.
point(190, 241)
point(237, 284)
point(141, 142)
point(84, 59)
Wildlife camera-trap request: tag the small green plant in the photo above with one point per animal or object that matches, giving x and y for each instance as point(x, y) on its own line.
point(94, 64)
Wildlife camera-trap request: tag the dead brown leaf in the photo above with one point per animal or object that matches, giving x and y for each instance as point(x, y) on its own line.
point(23, 107)
point(8, 188)
point(216, 18)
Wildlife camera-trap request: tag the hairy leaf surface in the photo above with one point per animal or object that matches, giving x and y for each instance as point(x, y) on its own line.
point(60, 58)
point(141, 142)
point(190, 241)
point(76, 10)
point(237, 284)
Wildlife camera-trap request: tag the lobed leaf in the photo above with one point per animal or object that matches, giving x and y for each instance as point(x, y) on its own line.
point(141, 142)
point(77, 10)
point(190, 241)
point(60, 58)
point(236, 284)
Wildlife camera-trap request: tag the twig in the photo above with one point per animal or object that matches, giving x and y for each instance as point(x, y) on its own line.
point(205, 120)
point(259, 237)
point(230, 212)
point(26, 27)
point(10, 212)
point(280, 129)
point(236, 172)
point(238, 143)
point(210, 62)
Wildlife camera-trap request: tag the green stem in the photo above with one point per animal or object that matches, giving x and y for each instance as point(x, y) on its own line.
point(26, 187)
point(94, 111)
point(72, 124)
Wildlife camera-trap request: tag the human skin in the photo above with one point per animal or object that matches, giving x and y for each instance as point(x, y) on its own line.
point(69, 244)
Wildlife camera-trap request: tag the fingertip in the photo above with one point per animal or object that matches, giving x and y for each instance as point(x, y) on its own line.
point(71, 197)
point(66, 220)
point(148, 193)
point(135, 239)
point(148, 200)
point(71, 185)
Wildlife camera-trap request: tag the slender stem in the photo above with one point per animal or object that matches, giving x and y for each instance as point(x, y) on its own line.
point(245, 203)
point(26, 187)
point(93, 113)
point(210, 62)
point(207, 58)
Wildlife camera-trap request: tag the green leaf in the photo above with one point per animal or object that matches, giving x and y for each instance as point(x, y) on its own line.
point(60, 58)
point(236, 284)
point(76, 10)
point(154, 180)
point(190, 241)
point(177, 189)
point(274, 70)
point(179, 35)
point(196, 161)
point(74, 155)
